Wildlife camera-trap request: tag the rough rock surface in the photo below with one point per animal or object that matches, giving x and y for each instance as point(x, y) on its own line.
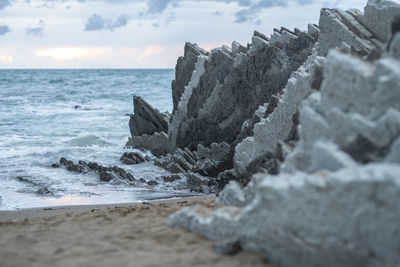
point(146, 119)
point(347, 218)
point(229, 84)
point(335, 202)
point(277, 126)
point(358, 112)
point(183, 71)
point(201, 165)
point(158, 143)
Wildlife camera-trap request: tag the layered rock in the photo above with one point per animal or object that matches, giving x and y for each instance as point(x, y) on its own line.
point(335, 201)
point(146, 119)
point(229, 84)
point(358, 114)
point(183, 71)
point(347, 218)
point(199, 167)
point(277, 127)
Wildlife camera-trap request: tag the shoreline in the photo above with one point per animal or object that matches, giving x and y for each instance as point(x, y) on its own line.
point(51, 211)
point(112, 235)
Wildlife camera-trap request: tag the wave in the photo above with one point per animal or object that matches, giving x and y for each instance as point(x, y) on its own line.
point(88, 140)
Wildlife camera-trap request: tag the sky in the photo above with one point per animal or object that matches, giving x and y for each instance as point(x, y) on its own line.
point(139, 33)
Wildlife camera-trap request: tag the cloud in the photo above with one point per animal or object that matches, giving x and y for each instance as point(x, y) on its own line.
point(74, 53)
point(97, 23)
point(36, 31)
point(4, 29)
point(4, 59)
point(251, 12)
point(4, 3)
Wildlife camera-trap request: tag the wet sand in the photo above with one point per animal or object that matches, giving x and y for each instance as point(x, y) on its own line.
point(109, 235)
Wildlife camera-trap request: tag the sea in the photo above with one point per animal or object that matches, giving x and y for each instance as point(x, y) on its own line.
point(79, 115)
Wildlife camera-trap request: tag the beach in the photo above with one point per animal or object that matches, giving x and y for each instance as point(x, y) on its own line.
point(109, 235)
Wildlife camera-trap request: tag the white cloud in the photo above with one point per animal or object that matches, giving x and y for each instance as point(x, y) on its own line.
point(75, 53)
point(6, 59)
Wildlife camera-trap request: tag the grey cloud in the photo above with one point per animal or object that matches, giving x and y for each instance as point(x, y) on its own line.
point(36, 31)
point(250, 13)
point(4, 3)
point(97, 23)
point(4, 29)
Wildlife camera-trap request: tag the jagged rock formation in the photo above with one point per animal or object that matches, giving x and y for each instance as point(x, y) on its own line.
point(347, 218)
point(146, 119)
point(228, 85)
point(158, 143)
point(277, 127)
point(183, 71)
point(201, 165)
point(335, 201)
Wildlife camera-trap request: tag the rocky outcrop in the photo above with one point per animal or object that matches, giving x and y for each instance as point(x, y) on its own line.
point(278, 126)
point(157, 144)
point(335, 200)
point(229, 84)
point(359, 116)
point(200, 168)
point(132, 158)
point(347, 218)
point(183, 71)
point(146, 119)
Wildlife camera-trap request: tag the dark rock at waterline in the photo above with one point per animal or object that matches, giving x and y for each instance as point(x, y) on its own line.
point(55, 165)
point(171, 178)
point(132, 158)
point(43, 190)
point(146, 119)
point(152, 182)
point(105, 176)
point(142, 180)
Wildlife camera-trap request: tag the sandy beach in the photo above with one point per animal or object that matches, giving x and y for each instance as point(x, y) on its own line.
point(109, 235)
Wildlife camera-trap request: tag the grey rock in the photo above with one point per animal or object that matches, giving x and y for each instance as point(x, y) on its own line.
point(346, 218)
point(105, 176)
point(183, 71)
point(171, 178)
point(277, 125)
point(236, 81)
point(338, 27)
point(132, 158)
point(152, 182)
point(146, 119)
point(357, 109)
point(232, 195)
point(157, 144)
point(378, 16)
point(394, 48)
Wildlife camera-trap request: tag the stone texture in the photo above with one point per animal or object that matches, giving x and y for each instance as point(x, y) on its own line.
point(183, 71)
point(157, 144)
point(358, 112)
point(278, 125)
point(228, 85)
point(347, 218)
point(378, 16)
point(335, 202)
point(337, 27)
point(146, 119)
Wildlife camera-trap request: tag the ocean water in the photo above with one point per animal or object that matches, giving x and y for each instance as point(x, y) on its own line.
point(80, 115)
